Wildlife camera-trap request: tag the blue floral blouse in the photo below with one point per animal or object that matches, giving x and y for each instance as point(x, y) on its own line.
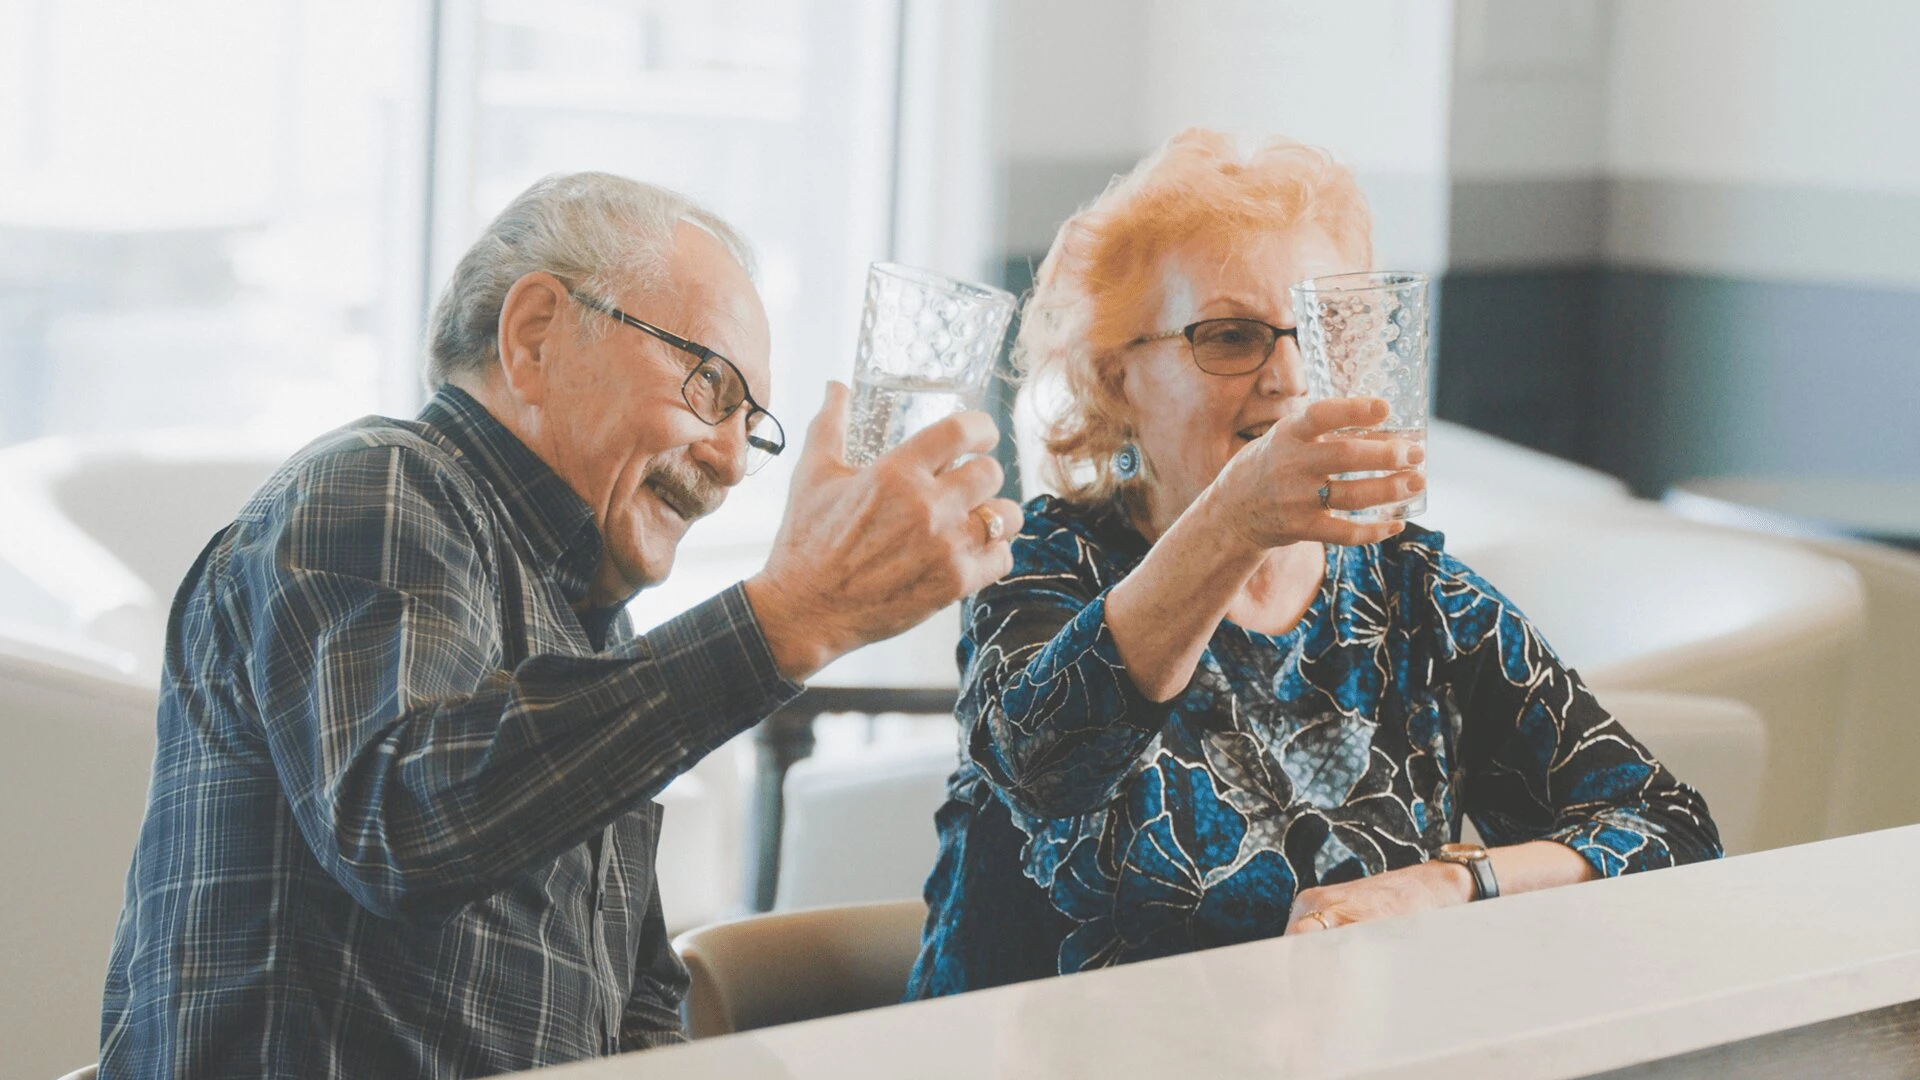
point(1087, 826)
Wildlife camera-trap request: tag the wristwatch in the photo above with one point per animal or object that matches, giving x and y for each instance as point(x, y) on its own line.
point(1474, 858)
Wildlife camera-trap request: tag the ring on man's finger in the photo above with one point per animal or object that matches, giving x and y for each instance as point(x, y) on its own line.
point(1326, 503)
point(996, 528)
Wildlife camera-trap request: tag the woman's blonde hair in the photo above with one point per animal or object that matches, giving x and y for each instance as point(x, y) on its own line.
point(1106, 261)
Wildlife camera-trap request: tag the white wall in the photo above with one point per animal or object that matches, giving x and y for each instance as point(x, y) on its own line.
point(1774, 92)
point(1753, 139)
point(1530, 89)
point(1103, 83)
point(1768, 92)
point(1368, 79)
point(1766, 139)
point(1070, 77)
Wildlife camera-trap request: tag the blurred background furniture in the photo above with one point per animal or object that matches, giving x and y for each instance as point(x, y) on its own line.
point(1879, 510)
point(777, 969)
point(73, 787)
point(701, 856)
point(1482, 490)
point(102, 529)
point(1875, 786)
point(1646, 607)
point(787, 737)
point(860, 829)
point(1718, 746)
point(1875, 528)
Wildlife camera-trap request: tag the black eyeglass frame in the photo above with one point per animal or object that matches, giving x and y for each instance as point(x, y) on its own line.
point(770, 447)
point(1188, 331)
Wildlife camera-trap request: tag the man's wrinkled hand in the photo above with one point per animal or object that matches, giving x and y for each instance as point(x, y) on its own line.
point(864, 554)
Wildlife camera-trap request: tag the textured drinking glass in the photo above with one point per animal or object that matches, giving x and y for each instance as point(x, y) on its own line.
point(1365, 335)
point(928, 344)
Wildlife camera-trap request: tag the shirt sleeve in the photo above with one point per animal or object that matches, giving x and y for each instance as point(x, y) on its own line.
point(1047, 710)
point(422, 774)
point(1543, 760)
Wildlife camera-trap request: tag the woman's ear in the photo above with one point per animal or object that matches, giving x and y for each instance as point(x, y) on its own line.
point(530, 330)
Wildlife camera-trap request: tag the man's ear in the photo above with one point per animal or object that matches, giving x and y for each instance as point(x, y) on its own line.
point(530, 327)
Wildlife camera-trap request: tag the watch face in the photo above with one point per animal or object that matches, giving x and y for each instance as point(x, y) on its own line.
point(1462, 852)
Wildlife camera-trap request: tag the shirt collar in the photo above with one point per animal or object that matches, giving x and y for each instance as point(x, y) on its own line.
point(557, 523)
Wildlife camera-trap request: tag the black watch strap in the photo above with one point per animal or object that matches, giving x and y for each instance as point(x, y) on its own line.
point(1474, 858)
point(1484, 886)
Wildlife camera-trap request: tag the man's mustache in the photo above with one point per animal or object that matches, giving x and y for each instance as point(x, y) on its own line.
point(690, 491)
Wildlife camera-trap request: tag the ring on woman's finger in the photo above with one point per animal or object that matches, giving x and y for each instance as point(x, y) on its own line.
point(996, 528)
point(1319, 918)
point(1326, 503)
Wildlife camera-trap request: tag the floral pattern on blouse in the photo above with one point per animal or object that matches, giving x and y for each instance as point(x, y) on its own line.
point(1087, 826)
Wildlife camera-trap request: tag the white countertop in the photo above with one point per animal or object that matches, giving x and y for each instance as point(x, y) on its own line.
point(1553, 984)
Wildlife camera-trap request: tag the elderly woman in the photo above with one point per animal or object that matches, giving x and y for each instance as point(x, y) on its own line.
point(1202, 709)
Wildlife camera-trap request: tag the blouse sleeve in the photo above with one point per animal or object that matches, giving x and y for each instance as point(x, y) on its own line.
point(1047, 710)
point(1543, 760)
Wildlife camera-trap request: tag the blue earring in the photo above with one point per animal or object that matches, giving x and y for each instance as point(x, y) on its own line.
point(1126, 461)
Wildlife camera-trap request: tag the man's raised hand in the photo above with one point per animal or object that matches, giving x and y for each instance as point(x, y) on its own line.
point(864, 554)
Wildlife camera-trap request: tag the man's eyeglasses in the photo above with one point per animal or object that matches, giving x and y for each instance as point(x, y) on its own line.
point(714, 389)
point(1227, 346)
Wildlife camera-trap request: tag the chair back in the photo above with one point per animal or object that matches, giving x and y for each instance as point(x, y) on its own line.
point(73, 788)
point(1874, 787)
point(859, 829)
point(798, 965)
point(1690, 610)
point(1717, 746)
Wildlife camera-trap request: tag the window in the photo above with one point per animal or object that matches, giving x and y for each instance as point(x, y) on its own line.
point(777, 114)
point(227, 218)
point(198, 214)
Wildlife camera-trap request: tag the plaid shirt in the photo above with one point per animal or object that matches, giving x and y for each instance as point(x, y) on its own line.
point(400, 820)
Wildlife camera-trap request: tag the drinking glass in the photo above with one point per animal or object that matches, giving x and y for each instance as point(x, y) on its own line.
point(1365, 335)
point(928, 344)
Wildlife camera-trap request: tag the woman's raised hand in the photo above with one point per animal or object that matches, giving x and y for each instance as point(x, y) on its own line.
point(1269, 493)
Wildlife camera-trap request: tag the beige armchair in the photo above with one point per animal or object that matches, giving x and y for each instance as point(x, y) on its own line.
point(1716, 745)
point(1874, 782)
point(798, 965)
point(73, 787)
point(1700, 611)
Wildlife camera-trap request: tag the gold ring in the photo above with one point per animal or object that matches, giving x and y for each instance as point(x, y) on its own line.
point(995, 527)
point(1326, 497)
point(1321, 919)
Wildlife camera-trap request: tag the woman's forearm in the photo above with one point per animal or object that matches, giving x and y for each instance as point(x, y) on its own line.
point(1163, 613)
point(1522, 868)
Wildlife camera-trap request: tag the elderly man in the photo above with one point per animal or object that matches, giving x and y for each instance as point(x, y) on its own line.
point(400, 820)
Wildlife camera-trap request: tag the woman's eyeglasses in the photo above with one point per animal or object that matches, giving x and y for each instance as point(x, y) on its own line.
point(1227, 346)
point(714, 389)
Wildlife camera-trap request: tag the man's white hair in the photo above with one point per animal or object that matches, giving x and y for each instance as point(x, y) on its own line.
point(597, 232)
